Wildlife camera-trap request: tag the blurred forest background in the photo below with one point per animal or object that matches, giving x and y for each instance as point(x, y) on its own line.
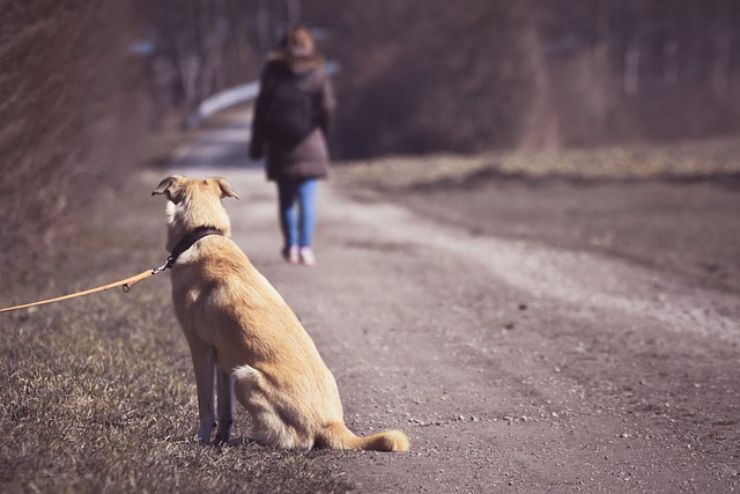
point(88, 88)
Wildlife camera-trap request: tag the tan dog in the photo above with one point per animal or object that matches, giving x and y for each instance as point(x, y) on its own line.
point(239, 327)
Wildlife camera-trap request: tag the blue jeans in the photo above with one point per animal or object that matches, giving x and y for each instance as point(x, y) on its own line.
point(297, 226)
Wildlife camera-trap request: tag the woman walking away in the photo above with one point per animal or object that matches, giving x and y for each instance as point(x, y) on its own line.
point(291, 120)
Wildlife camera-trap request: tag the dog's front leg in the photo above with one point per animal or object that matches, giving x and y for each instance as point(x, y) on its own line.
point(204, 364)
point(225, 387)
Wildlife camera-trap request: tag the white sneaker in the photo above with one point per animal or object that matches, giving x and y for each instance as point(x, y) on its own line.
point(307, 257)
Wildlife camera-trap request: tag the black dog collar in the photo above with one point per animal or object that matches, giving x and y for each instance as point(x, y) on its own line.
point(188, 240)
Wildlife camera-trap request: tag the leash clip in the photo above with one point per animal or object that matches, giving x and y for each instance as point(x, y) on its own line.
point(167, 264)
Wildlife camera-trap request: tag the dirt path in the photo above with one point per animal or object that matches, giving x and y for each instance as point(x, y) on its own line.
point(511, 365)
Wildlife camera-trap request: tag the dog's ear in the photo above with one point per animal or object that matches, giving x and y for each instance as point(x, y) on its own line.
point(226, 189)
point(172, 187)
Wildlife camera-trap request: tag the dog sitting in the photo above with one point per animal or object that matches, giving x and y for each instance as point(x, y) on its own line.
point(239, 328)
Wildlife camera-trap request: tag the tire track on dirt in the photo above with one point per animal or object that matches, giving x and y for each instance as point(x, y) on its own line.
point(576, 278)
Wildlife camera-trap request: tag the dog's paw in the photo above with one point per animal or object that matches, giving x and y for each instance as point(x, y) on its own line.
point(223, 431)
point(202, 439)
point(223, 435)
point(204, 435)
point(222, 439)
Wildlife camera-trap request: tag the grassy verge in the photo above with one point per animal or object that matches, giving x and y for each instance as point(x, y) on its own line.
point(97, 394)
point(690, 160)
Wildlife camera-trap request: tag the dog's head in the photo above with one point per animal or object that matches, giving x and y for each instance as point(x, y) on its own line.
point(193, 203)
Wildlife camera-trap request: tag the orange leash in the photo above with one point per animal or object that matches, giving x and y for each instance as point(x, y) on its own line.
point(184, 244)
point(126, 284)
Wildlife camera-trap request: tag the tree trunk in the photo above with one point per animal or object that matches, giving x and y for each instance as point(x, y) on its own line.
point(541, 127)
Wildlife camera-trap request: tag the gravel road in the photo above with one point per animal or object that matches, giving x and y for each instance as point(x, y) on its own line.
point(512, 364)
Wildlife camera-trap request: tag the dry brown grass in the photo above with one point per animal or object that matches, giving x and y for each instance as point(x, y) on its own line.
point(639, 161)
point(97, 394)
point(71, 123)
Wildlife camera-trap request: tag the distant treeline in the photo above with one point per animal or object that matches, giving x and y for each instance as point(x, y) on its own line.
point(436, 75)
point(475, 74)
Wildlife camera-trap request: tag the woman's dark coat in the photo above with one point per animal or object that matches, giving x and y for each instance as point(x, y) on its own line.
point(310, 157)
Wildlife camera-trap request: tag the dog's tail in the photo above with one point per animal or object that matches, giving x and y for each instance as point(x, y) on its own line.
point(338, 436)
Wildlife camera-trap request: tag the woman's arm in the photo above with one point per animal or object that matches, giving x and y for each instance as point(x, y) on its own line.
point(256, 145)
point(327, 103)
